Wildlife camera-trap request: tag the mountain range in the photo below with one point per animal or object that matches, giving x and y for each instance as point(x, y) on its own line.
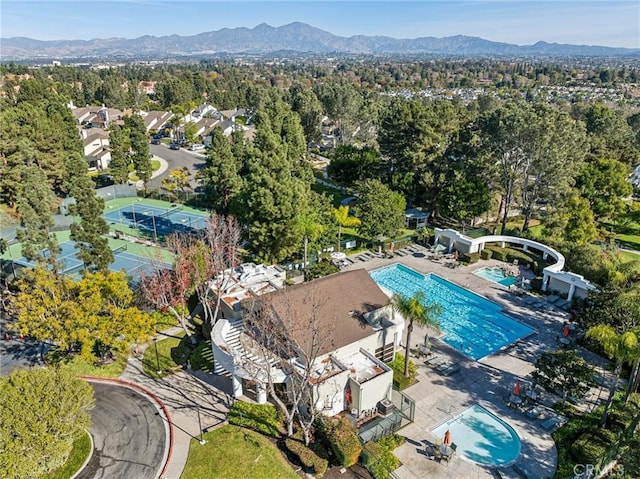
point(295, 37)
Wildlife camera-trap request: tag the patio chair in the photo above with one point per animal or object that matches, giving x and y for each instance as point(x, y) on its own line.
point(454, 446)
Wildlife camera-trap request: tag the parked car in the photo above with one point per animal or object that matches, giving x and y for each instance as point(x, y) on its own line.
point(197, 147)
point(174, 146)
point(155, 141)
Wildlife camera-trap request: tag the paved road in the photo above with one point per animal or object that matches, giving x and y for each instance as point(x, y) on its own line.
point(128, 434)
point(177, 159)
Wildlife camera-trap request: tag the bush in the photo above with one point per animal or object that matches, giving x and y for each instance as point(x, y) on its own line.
point(497, 253)
point(343, 437)
point(486, 254)
point(470, 258)
point(320, 269)
point(307, 457)
point(399, 379)
point(378, 456)
point(262, 418)
point(201, 358)
point(536, 284)
point(592, 446)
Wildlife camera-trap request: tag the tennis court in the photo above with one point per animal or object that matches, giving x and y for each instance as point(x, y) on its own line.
point(157, 220)
point(132, 264)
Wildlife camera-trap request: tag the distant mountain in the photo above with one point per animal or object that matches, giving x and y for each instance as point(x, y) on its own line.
point(294, 37)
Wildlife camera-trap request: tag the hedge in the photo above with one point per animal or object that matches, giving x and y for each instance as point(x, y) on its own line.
point(378, 456)
point(470, 258)
point(307, 457)
point(486, 254)
point(343, 437)
point(592, 446)
point(262, 418)
point(510, 255)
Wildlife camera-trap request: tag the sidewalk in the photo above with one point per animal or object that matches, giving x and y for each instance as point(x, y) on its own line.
point(192, 398)
point(164, 166)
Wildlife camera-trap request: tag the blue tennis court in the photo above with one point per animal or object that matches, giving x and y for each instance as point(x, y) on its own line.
point(156, 220)
point(132, 264)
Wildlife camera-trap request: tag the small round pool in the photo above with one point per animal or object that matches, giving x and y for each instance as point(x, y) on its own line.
point(482, 437)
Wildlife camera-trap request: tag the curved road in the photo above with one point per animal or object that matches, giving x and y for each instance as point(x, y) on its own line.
point(177, 159)
point(128, 433)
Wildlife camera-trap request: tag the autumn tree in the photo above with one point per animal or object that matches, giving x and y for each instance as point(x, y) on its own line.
point(93, 316)
point(178, 181)
point(42, 412)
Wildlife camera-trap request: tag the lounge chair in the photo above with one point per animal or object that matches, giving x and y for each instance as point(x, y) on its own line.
point(553, 298)
point(552, 423)
point(534, 412)
point(450, 370)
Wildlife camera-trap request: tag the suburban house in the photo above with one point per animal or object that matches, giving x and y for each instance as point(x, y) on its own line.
point(359, 333)
point(155, 120)
point(96, 117)
point(95, 142)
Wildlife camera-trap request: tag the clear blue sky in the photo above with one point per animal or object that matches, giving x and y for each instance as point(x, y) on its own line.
point(610, 23)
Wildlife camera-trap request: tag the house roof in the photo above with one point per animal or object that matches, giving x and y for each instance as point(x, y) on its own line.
point(340, 301)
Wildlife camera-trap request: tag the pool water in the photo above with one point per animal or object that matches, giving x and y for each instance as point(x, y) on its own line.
point(471, 324)
point(482, 437)
point(496, 275)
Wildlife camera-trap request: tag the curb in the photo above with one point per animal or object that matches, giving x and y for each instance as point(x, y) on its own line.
point(86, 461)
point(153, 396)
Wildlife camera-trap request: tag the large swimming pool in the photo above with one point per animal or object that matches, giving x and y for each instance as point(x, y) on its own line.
point(471, 324)
point(482, 437)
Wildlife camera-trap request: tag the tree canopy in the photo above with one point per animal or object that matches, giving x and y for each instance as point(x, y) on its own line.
point(42, 412)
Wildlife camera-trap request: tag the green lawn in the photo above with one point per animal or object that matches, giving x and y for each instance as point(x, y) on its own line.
point(629, 241)
point(82, 368)
point(236, 453)
point(79, 453)
point(335, 195)
point(172, 353)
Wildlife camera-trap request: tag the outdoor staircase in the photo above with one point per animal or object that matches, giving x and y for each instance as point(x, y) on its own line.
point(231, 338)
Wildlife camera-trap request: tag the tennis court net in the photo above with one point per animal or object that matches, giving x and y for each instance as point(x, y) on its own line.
point(170, 211)
point(120, 249)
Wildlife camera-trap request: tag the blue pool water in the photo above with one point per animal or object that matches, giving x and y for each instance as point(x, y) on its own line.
point(496, 275)
point(482, 437)
point(471, 324)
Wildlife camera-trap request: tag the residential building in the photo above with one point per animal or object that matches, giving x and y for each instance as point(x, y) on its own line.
point(360, 332)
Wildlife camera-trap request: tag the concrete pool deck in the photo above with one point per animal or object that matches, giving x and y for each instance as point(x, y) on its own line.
point(486, 382)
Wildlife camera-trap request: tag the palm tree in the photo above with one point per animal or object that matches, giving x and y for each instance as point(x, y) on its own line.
point(343, 219)
point(621, 347)
point(311, 230)
point(415, 310)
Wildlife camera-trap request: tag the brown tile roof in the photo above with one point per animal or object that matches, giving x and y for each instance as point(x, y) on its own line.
point(340, 301)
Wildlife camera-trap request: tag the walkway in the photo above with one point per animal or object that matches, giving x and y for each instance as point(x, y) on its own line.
point(192, 398)
point(487, 382)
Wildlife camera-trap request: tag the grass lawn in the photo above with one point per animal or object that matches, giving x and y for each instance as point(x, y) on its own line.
point(83, 368)
point(79, 453)
point(335, 195)
point(236, 453)
point(629, 241)
point(172, 353)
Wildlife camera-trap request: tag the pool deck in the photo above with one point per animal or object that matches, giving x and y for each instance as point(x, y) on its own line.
point(486, 382)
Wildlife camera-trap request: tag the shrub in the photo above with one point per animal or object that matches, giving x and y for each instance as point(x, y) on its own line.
point(592, 446)
point(470, 257)
point(320, 269)
point(202, 357)
point(499, 254)
point(486, 254)
point(399, 379)
point(536, 284)
point(307, 457)
point(343, 437)
point(378, 456)
point(262, 418)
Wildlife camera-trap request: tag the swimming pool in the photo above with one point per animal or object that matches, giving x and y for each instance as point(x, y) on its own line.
point(471, 324)
point(496, 275)
point(482, 437)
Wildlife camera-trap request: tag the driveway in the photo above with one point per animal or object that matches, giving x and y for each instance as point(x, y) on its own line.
point(129, 435)
point(176, 159)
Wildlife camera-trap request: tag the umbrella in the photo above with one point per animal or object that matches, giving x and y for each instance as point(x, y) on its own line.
point(516, 389)
point(447, 437)
point(565, 331)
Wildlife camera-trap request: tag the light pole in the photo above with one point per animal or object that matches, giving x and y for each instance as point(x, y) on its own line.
point(155, 344)
point(202, 441)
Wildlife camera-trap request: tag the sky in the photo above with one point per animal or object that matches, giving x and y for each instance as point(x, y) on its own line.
point(584, 22)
